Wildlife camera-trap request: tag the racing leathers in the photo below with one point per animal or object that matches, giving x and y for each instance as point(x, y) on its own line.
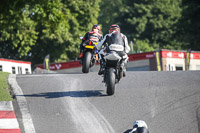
point(121, 40)
point(94, 36)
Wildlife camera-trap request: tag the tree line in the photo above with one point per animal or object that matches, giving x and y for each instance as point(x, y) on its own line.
point(29, 30)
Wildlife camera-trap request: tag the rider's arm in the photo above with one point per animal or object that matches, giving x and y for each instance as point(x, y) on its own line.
point(100, 37)
point(85, 38)
point(127, 48)
point(99, 45)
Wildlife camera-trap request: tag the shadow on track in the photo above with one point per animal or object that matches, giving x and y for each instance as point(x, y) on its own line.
point(128, 131)
point(87, 93)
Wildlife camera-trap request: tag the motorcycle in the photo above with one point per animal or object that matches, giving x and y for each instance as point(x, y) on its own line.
point(90, 55)
point(113, 67)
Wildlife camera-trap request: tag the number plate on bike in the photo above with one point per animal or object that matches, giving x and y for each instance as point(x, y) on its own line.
point(90, 47)
point(116, 47)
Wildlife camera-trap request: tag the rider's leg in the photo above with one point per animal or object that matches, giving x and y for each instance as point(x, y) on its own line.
point(81, 51)
point(125, 61)
point(102, 65)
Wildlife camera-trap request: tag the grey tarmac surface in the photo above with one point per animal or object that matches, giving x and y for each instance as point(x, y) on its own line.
point(169, 102)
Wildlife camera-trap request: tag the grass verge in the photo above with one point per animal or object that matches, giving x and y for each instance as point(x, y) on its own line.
point(4, 91)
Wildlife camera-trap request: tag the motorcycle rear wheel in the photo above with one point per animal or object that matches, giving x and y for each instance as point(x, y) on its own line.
point(86, 62)
point(110, 81)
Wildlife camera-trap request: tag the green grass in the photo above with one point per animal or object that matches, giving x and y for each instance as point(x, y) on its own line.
point(4, 92)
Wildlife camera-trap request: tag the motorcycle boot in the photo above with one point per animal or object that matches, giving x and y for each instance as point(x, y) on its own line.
point(123, 68)
point(124, 72)
point(80, 57)
point(81, 51)
point(102, 67)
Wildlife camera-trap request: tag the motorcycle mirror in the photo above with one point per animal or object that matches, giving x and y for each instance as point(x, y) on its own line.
point(81, 37)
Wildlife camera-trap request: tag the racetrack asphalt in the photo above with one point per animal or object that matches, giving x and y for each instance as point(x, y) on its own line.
point(167, 101)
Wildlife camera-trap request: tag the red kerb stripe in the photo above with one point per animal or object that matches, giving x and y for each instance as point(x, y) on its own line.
point(10, 131)
point(7, 114)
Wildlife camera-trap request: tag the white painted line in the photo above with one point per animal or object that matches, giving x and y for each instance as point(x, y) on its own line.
point(85, 116)
point(9, 124)
point(6, 106)
point(26, 117)
point(43, 75)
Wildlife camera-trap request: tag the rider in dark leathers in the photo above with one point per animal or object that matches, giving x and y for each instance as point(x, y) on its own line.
point(121, 40)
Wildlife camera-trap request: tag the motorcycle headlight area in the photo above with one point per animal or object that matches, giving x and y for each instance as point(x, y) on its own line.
point(112, 56)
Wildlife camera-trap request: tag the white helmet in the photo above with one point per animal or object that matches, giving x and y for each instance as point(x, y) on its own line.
point(139, 126)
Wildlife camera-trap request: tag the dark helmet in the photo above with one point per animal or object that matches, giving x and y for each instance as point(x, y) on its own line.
point(114, 27)
point(96, 26)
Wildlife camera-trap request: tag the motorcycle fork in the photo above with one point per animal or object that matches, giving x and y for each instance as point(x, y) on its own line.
point(93, 58)
point(119, 71)
point(104, 75)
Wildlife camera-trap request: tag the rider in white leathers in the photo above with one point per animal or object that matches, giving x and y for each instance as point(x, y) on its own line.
point(113, 29)
point(139, 126)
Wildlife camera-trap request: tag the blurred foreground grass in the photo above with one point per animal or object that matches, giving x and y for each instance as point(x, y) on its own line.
point(4, 91)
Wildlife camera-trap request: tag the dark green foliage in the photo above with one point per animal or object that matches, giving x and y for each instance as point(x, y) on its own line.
point(30, 30)
point(188, 30)
point(152, 24)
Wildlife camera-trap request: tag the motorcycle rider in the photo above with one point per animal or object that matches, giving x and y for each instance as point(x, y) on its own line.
point(139, 126)
point(120, 39)
point(94, 35)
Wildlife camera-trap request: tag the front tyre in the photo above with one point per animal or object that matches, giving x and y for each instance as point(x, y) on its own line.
point(110, 81)
point(86, 62)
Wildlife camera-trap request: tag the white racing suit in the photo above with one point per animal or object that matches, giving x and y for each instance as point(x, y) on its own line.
point(105, 40)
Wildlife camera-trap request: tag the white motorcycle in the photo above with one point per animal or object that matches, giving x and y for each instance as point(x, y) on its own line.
point(113, 66)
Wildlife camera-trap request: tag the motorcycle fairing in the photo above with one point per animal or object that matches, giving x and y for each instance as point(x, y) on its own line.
point(112, 56)
point(112, 63)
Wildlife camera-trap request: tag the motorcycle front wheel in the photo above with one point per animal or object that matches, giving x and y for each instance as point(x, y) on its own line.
point(110, 81)
point(86, 62)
